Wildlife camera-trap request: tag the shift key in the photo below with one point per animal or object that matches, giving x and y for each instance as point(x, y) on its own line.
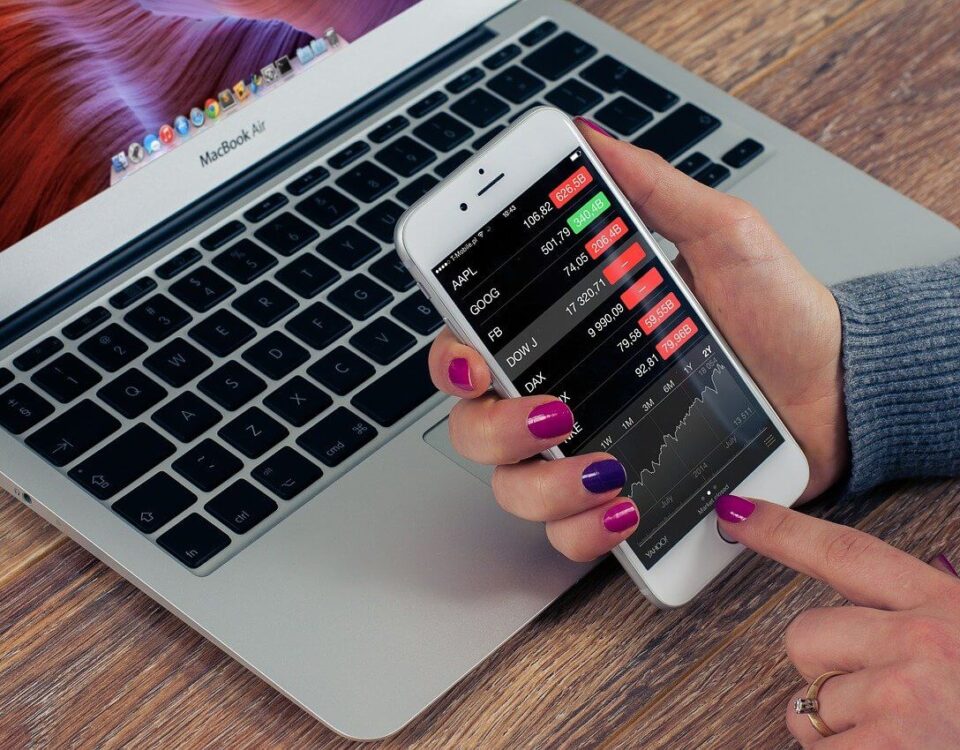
point(123, 461)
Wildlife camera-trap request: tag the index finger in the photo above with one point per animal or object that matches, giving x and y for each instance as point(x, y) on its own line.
point(456, 368)
point(859, 566)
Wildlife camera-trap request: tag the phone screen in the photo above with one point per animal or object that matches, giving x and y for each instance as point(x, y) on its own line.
point(572, 302)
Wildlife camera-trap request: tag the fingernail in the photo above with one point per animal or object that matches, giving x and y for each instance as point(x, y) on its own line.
point(594, 126)
point(945, 562)
point(550, 420)
point(620, 517)
point(603, 476)
point(734, 509)
point(459, 373)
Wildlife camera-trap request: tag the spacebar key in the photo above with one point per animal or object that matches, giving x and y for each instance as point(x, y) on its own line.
point(398, 392)
point(678, 131)
point(122, 461)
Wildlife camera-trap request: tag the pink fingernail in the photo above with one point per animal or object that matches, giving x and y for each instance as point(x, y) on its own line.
point(550, 420)
point(459, 373)
point(734, 509)
point(945, 561)
point(591, 124)
point(620, 517)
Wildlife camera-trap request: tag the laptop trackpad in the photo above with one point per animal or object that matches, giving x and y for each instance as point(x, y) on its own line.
point(438, 437)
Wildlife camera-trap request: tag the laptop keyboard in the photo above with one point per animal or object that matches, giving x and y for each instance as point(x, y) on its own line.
point(217, 392)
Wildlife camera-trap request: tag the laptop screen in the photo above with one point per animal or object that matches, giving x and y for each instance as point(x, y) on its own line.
point(97, 90)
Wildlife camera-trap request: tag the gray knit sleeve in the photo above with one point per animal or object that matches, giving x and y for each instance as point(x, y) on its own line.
point(901, 359)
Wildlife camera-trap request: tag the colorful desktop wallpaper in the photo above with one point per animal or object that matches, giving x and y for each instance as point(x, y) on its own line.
point(81, 79)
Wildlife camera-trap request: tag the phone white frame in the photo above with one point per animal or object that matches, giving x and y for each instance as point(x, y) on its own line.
point(433, 227)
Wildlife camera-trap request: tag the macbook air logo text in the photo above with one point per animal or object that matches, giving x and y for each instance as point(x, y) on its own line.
point(245, 136)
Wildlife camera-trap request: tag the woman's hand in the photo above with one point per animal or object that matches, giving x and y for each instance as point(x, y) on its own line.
point(899, 645)
point(783, 324)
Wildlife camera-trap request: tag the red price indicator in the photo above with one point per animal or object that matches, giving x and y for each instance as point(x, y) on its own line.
point(639, 290)
point(674, 341)
point(659, 313)
point(607, 237)
point(624, 263)
point(570, 187)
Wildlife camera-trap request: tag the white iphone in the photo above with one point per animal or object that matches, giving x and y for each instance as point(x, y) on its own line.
point(534, 257)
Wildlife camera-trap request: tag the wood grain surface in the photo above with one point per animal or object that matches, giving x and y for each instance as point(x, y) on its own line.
point(88, 661)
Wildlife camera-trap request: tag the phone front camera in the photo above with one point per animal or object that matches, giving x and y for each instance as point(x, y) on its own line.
point(463, 206)
point(480, 170)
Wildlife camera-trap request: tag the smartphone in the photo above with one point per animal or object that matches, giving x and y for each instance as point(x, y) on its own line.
point(536, 259)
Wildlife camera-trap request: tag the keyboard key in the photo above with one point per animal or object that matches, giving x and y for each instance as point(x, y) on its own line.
point(276, 355)
point(155, 503)
point(207, 465)
point(480, 107)
point(179, 262)
point(133, 292)
point(349, 248)
point(448, 166)
point(177, 362)
point(712, 175)
point(388, 129)
point(21, 408)
point(261, 210)
point(187, 417)
point(367, 182)
point(559, 56)
point(337, 437)
point(417, 312)
point(73, 433)
point(392, 396)
point(265, 303)
point(360, 297)
point(193, 541)
point(613, 76)
point(391, 271)
point(442, 131)
point(484, 139)
point(381, 219)
point(693, 163)
point(6, 377)
point(132, 393)
point(678, 131)
point(122, 461)
point(429, 103)
point(307, 275)
point(327, 207)
point(223, 235)
point(745, 151)
point(298, 401)
point(222, 333)
point(417, 189)
point(285, 234)
point(85, 323)
point(158, 317)
point(383, 341)
point(240, 507)
point(232, 385)
point(405, 156)
point(113, 347)
point(516, 84)
point(465, 80)
point(341, 370)
point(501, 57)
point(318, 326)
point(66, 377)
point(245, 261)
point(308, 180)
point(286, 473)
point(623, 115)
point(349, 154)
point(538, 33)
point(202, 289)
point(37, 353)
point(253, 433)
point(574, 97)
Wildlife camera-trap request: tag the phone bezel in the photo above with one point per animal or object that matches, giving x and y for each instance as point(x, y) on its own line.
point(436, 225)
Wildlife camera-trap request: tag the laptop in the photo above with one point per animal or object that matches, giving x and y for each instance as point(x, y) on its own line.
point(213, 366)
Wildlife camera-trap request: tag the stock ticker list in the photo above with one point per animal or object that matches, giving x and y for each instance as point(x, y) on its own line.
point(572, 302)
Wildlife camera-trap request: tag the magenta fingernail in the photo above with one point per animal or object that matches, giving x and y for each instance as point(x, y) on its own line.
point(620, 517)
point(594, 126)
point(734, 509)
point(550, 420)
point(945, 562)
point(459, 373)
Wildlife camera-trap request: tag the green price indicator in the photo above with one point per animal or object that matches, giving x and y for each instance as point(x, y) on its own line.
point(588, 212)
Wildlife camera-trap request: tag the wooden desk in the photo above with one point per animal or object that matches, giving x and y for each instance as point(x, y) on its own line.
point(87, 660)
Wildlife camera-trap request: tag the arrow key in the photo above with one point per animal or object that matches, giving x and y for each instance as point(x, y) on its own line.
point(155, 502)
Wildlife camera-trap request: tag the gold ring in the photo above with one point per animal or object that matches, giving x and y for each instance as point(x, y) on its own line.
point(810, 706)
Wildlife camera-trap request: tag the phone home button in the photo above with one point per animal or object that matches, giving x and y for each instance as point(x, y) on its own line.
point(720, 532)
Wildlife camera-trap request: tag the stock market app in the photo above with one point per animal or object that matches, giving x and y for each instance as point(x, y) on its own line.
point(571, 301)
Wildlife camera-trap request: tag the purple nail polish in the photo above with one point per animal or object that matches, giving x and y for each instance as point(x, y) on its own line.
point(550, 420)
point(620, 517)
point(945, 561)
point(591, 124)
point(459, 373)
point(603, 476)
point(734, 509)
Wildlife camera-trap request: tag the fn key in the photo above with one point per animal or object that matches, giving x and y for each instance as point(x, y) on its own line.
point(193, 541)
